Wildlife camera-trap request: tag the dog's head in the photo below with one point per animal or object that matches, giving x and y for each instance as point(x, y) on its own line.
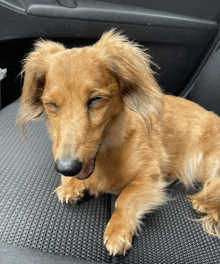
point(83, 91)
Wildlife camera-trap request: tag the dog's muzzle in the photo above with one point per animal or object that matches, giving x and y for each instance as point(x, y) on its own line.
point(74, 168)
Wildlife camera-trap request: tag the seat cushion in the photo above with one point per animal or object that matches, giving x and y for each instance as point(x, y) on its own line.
point(32, 217)
point(30, 213)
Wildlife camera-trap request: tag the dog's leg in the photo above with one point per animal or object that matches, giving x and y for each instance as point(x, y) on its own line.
point(207, 204)
point(71, 190)
point(138, 198)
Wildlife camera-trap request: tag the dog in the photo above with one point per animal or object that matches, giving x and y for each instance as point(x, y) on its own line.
point(115, 131)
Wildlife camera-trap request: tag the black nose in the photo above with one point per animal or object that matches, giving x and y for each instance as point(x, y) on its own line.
point(68, 167)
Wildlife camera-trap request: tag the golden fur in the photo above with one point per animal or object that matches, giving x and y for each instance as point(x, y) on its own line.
point(137, 136)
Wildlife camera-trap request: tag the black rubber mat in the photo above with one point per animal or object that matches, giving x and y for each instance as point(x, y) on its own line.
point(32, 217)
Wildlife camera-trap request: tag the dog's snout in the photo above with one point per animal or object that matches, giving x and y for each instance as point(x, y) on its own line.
point(68, 167)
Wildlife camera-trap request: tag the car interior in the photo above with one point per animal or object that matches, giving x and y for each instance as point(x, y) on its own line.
point(183, 40)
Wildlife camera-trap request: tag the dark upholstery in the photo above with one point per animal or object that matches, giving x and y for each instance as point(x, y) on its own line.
point(43, 230)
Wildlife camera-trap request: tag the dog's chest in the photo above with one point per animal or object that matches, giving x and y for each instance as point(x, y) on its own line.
point(111, 174)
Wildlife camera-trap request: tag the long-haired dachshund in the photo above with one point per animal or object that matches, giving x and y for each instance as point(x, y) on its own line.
point(114, 131)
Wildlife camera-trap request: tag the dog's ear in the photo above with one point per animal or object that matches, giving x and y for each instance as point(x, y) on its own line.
point(35, 67)
point(129, 62)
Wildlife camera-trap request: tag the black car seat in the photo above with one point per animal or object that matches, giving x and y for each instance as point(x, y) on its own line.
point(36, 228)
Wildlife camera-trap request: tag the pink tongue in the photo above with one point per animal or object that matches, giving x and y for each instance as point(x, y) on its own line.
point(85, 172)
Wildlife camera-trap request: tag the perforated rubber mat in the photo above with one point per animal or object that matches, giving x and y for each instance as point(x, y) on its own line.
point(31, 215)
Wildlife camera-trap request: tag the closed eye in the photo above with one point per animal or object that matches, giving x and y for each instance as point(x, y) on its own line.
point(93, 101)
point(54, 105)
point(51, 104)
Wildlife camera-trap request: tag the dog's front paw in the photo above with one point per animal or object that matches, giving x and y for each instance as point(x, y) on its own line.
point(118, 238)
point(69, 195)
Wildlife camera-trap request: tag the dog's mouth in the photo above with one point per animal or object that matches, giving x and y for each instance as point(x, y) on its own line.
point(86, 171)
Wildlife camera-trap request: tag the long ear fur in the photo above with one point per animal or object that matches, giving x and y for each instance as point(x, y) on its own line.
point(35, 67)
point(131, 66)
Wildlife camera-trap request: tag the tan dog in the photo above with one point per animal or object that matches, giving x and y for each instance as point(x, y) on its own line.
point(109, 120)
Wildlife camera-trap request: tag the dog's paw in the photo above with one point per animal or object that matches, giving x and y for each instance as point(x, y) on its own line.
point(198, 207)
point(69, 195)
point(117, 240)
